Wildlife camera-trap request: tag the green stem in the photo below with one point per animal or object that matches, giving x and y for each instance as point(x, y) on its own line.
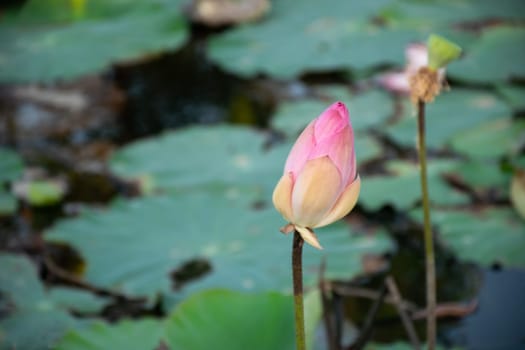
point(429, 242)
point(297, 273)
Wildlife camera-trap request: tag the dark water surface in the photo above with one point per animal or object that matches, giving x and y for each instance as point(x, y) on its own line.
point(499, 321)
point(183, 88)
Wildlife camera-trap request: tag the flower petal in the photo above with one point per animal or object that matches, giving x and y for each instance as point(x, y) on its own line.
point(331, 122)
point(344, 204)
point(282, 196)
point(396, 82)
point(315, 191)
point(309, 236)
point(343, 155)
point(416, 57)
point(340, 149)
point(300, 151)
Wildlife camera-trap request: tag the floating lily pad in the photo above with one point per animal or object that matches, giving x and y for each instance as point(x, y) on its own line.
point(370, 109)
point(322, 36)
point(514, 95)
point(232, 321)
point(486, 237)
point(366, 149)
point(492, 139)
point(202, 156)
point(484, 63)
point(8, 202)
point(11, 166)
point(32, 319)
point(483, 176)
point(293, 117)
point(35, 329)
point(402, 188)
point(450, 114)
point(19, 281)
point(78, 41)
point(213, 319)
point(444, 13)
point(35, 12)
point(131, 335)
point(77, 300)
point(151, 237)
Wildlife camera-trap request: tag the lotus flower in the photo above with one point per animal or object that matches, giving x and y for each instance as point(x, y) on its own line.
point(320, 183)
point(416, 57)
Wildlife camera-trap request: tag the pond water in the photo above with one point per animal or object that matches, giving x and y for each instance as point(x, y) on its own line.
point(499, 321)
point(176, 90)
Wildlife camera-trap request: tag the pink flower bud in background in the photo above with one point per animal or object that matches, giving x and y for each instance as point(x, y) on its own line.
point(320, 183)
point(416, 55)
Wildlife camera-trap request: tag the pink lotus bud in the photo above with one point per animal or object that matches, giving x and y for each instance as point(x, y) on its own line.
point(320, 183)
point(417, 57)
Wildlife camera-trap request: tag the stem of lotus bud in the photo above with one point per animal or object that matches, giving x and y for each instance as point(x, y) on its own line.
point(297, 273)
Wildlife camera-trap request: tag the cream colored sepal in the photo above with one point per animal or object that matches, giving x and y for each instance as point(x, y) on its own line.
point(309, 236)
point(306, 233)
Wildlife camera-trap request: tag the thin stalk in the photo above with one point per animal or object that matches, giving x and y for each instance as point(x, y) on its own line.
point(429, 242)
point(327, 304)
point(368, 325)
point(407, 322)
point(297, 274)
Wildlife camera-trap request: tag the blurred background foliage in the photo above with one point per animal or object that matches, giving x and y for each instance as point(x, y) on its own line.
point(140, 142)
